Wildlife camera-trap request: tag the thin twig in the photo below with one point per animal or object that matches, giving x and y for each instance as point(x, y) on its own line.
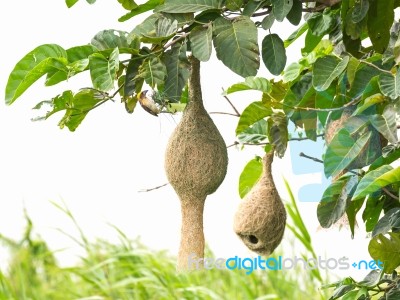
point(375, 67)
point(222, 113)
point(305, 138)
point(231, 104)
point(310, 157)
point(321, 161)
point(389, 193)
point(154, 188)
point(351, 103)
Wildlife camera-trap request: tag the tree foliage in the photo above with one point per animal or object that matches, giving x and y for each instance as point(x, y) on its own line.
point(350, 60)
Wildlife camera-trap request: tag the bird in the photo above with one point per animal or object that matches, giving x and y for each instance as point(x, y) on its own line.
point(147, 102)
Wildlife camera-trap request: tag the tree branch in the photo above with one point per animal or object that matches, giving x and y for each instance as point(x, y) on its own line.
point(375, 67)
point(223, 113)
point(154, 188)
point(231, 104)
point(351, 103)
point(389, 193)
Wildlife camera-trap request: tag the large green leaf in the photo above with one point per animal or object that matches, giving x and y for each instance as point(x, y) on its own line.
point(201, 42)
point(374, 180)
point(360, 10)
point(185, 6)
point(280, 8)
point(177, 68)
point(380, 20)
point(386, 125)
point(342, 150)
point(295, 13)
point(254, 134)
point(335, 200)
point(251, 114)
point(103, 70)
point(387, 250)
point(321, 23)
point(142, 8)
point(278, 132)
point(31, 67)
point(292, 72)
point(326, 70)
point(236, 45)
point(249, 176)
point(274, 53)
point(110, 39)
point(234, 5)
point(147, 27)
point(251, 83)
point(78, 58)
point(153, 71)
point(295, 35)
point(390, 84)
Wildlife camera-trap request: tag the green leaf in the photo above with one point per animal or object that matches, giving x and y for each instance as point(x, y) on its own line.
point(360, 10)
point(295, 13)
point(251, 7)
point(363, 77)
point(153, 71)
point(375, 180)
point(350, 295)
point(278, 132)
point(386, 126)
point(387, 222)
point(254, 134)
point(128, 4)
point(380, 20)
point(385, 160)
point(292, 72)
point(103, 71)
point(234, 5)
point(251, 83)
point(79, 52)
point(166, 27)
point(236, 44)
point(58, 103)
point(249, 176)
point(70, 3)
point(142, 8)
point(31, 67)
point(177, 71)
point(371, 280)
point(352, 67)
point(390, 84)
point(111, 39)
point(280, 8)
point(185, 6)
point(251, 114)
point(386, 250)
point(274, 53)
point(81, 104)
point(372, 211)
point(147, 27)
point(268, 21)
point(326, 70)
point(295, 35)
point(310, 43)
point(201, 42)
point(132, 71)
point(321, 23)
point(335, 200)
point(342, 150)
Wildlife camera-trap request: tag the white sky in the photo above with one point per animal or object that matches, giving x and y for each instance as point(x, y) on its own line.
point(99, 169)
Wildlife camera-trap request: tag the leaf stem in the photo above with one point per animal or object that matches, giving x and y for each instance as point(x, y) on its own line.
point(375, 67)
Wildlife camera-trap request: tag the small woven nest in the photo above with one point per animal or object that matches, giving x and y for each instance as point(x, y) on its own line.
point(261, 216)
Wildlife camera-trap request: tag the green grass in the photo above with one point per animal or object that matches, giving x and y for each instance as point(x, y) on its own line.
point(128, 270)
